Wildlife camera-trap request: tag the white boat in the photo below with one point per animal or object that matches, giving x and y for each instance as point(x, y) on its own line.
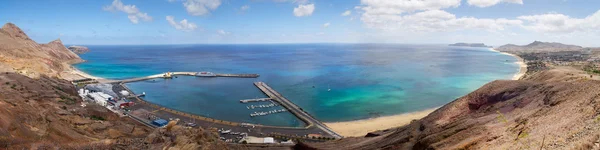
point(205, 74)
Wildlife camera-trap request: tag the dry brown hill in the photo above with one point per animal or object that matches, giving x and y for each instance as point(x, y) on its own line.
point(555, 109)
point(45, 113)
point(18, 53)
point(538, 46)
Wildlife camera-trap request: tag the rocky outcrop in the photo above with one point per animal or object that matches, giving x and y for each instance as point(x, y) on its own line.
point(20, 54)
point(555, 109)
point(538, 46)
point(79, 49)
point(13, 31)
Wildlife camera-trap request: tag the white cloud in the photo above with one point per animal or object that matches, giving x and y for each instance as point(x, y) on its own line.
point(304, 10)
point(244, 8)
point(488, 3)
point(201, 7)
point(389, 7)
point(347, 13)
point(559, 23)
point(424, 16)
point(293, 1)
point(133, 13)
point(326, 25)
point(223, 32)
point(183, 25)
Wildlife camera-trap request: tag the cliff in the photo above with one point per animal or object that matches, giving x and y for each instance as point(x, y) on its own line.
point(538, 46)
point(18, 53)
point(554, 109)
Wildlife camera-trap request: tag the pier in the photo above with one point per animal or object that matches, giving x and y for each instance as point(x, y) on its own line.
point(294, 109)
point(171, 74)
point(255, 100)
point(262, 106)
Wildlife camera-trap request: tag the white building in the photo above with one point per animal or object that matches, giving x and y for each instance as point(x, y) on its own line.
point(257, 140)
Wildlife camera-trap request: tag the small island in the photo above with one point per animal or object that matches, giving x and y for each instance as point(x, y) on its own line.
point(470, 45)
point(79, 49)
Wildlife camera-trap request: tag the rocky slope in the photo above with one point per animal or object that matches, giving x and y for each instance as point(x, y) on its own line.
point(18, 53)
point(79, 49)
point(46, 113)
point(538, 46)
point(555, 109)
point(39, 110)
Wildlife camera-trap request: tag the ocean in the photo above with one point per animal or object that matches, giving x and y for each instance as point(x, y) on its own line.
point(366, 80)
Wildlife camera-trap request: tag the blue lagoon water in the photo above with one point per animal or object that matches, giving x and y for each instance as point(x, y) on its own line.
point(366, 80)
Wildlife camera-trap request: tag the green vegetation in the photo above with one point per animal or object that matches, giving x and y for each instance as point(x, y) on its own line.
point(66, 100)
point(501, 117)
point(93, 117)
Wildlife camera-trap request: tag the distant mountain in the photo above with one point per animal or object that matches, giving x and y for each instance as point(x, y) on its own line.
point(538, 46)
point(469, 44)
point(79, 49)
point(18, 53)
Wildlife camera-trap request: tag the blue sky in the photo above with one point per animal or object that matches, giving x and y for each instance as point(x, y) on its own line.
point(496, 22)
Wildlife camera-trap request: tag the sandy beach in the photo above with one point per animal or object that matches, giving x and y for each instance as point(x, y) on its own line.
point(521, 62)
point(359, 128)
point(362, 127)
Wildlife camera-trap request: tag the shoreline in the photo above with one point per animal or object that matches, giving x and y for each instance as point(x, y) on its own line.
point(520, 62)
point(359, 128)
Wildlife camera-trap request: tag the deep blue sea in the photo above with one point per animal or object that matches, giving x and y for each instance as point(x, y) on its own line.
point(366, 80)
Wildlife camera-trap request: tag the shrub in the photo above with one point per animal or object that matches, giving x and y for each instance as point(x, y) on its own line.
point(93, 117)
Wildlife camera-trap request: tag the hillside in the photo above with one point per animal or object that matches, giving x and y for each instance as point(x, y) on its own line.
point(46, 113)
point(555, 109)
point(538, 46)
point(18, 53)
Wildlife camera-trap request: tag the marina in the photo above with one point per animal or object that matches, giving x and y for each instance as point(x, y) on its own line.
point(158, 116)
point(262, 106)
point(255, 100)
point(267, 113)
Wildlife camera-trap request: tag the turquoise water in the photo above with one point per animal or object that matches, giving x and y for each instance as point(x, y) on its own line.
point(366, 80)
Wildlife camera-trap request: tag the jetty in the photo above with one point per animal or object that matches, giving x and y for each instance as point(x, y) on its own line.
point(255, 100)
point(294, 109)
point(262, 106)
point(172, 74)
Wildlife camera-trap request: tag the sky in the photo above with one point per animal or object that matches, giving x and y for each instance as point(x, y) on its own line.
point(139, 22)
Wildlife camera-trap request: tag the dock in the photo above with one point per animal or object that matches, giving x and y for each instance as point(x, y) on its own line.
point(238, 75)
point(255, 100)
point(171, 74)
point(294, 109)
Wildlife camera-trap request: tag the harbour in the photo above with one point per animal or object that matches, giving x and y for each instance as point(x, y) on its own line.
point(158, 116)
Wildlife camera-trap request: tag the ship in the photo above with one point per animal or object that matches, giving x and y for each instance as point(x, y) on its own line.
point(206, 74)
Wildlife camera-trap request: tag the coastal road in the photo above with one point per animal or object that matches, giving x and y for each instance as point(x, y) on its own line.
point(294, 109)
